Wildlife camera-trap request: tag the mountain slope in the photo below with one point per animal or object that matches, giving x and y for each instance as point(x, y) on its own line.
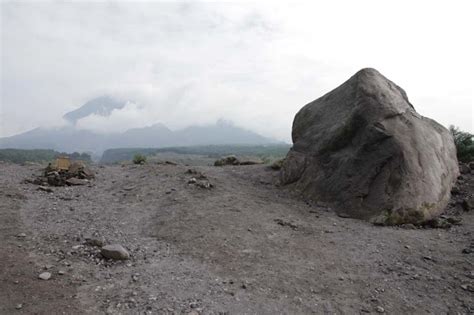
point(71, 138)
point(102, 106)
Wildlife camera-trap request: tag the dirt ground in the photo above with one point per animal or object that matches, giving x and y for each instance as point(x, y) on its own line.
point(245, 246)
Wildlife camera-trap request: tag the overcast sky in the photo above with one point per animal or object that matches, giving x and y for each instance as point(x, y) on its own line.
point(256, 64)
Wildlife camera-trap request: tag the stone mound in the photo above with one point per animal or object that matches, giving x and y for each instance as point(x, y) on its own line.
point(364, 149)
point(77, 174)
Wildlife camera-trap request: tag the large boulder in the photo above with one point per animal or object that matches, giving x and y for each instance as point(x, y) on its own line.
point(363, 148)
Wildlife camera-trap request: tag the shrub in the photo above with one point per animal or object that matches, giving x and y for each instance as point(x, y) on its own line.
point(277, 164)
point(464, 142)
point(139, 159)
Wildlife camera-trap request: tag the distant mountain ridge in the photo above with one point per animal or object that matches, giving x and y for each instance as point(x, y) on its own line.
point(70, 138)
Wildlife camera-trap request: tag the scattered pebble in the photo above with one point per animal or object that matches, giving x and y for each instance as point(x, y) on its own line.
point(45, 276)
point(468, 287)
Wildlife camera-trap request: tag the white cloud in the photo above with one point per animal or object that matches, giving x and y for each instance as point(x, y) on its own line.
point(119, 120)
point(253, 63)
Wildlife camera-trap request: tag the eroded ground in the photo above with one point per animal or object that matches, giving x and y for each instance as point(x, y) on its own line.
point(245, 246)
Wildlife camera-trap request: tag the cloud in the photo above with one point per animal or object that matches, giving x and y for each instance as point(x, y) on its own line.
point(119, 120)
point(256, 64)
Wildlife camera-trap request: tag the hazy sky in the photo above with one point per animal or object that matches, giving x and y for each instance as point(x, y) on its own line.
point(255, 63)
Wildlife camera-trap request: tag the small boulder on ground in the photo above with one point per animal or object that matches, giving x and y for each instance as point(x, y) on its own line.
point(233, 160)
point(250, 161)
point(80, 170)
point(227, 160)
point(45, 276)
point(115, 252)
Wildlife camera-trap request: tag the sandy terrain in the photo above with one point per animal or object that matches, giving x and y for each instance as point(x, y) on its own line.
point(245, 246)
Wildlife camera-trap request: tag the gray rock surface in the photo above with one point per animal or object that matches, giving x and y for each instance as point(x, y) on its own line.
point(115, 251)
point(363, 148)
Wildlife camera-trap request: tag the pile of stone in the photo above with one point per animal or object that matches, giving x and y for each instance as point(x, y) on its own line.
point(233, 160)
point(77, 174)
point(199, 179)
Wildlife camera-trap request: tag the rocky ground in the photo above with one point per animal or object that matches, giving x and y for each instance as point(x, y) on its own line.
point(227, 241)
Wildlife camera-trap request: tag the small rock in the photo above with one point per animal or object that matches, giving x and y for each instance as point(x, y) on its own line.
point(455, 190)
point(76, 181)
point(454, 221)
point(61, 272)
point(21, 235)
point(464, 169)
point(46, 189)
point(228, 160)
point(468, 203)
point(192, 181)
point(115, 251)
point(468, 287)
point(467, 251)
point(19, 306)
point(204, 184)
point(380, 309)
point(45, 276)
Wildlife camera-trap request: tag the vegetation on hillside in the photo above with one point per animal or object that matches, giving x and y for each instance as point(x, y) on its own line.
point(265, 152)
point(21, 156)
point(464, 142)
point(139, 159)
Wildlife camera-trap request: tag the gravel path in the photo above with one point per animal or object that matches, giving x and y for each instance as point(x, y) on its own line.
point(245, 246)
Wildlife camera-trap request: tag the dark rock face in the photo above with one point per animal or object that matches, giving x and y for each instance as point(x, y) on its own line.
point(363, 148)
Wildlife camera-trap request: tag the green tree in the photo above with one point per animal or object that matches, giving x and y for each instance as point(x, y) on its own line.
point(464, 142)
